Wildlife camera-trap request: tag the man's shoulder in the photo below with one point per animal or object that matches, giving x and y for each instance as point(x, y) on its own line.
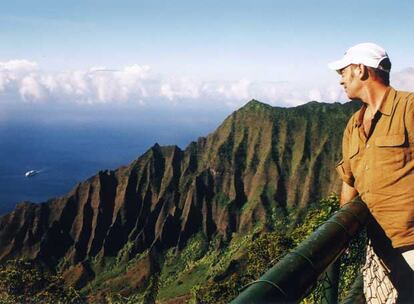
point(404, 95)
point(352, 121)
point(406, 99)
point(356, 114)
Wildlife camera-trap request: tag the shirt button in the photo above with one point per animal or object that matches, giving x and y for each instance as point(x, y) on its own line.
point(366, 167)
point(367, 146)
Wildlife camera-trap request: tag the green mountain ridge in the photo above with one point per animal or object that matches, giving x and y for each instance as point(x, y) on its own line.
point(116, 230)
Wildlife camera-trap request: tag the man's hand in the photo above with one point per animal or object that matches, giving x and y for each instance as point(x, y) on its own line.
point(347, 194)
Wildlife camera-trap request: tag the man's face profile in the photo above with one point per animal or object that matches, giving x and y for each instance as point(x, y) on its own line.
point(349, 81)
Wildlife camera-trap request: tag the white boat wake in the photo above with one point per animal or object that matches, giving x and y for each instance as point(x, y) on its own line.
point(33, 172)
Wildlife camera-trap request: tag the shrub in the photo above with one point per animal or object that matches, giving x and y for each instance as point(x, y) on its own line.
point(24, 281)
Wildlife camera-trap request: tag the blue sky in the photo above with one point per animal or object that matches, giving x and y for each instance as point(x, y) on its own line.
point(191, 50)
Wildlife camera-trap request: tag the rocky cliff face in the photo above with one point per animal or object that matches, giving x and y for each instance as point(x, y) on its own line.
point(260, 159)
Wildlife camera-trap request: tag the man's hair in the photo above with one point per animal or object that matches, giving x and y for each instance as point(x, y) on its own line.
point(383, 71)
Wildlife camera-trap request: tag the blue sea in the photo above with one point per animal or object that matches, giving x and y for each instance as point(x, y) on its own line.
point(66, 154)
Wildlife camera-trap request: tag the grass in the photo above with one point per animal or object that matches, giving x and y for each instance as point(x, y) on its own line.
point(184, 282)
point(194, 267)
point(101, 279)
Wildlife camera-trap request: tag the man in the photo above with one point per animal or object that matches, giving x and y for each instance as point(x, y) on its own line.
point(378, 165)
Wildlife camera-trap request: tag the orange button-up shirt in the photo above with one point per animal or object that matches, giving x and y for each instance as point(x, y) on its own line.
point(381, 167)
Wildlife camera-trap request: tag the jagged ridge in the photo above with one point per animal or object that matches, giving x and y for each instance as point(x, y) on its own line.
point(261, 157)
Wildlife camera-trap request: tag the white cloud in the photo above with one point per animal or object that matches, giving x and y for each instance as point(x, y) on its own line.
point(329, 93)
point(138, 84)
point(404, 80)
point(18, 66)
point(13, 71)
point(179, 88)
point(31, 89)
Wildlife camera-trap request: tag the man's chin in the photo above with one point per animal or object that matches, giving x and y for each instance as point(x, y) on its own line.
point(351, 97)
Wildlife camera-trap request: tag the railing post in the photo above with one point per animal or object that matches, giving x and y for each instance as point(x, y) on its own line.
point(331, 283)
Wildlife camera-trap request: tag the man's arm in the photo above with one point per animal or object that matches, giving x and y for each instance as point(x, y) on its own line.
point(347, 194)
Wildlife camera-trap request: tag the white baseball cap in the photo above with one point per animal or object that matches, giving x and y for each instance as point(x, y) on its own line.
point(368, 54)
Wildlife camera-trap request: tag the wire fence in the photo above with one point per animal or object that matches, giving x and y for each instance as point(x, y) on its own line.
point(378, 287)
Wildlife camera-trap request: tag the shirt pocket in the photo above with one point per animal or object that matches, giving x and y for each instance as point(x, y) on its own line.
point(390, 140)
point(390, 153)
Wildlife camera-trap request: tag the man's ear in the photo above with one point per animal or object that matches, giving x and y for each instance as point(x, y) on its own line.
point(363, 75)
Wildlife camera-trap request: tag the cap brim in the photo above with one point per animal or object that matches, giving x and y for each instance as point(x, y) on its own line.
point(339, 64)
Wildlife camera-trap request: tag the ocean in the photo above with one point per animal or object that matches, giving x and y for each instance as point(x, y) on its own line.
point(66, 154)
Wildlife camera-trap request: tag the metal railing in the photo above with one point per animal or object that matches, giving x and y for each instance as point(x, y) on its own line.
point(297, 273)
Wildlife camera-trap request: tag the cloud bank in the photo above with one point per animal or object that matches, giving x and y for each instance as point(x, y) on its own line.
point(23, 81)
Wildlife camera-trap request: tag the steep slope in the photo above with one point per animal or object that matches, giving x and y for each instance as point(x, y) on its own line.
point(261, 162)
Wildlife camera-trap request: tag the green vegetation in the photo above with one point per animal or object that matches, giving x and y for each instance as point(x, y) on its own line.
point(222, 199)
point(108, 270)
point(204, 271)
point(27, 282)
point(181, 270)
point(262, 250)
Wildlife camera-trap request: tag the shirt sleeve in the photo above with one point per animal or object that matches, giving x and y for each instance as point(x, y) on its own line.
point(343, 167)
point(409, 118)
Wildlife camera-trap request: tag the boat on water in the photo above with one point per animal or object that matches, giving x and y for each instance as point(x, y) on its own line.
point(31, 173)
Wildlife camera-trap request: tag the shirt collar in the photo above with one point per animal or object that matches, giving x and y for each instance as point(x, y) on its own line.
point(387, 102)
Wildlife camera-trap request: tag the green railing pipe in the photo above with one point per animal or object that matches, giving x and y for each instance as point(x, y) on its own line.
point(295, 275)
